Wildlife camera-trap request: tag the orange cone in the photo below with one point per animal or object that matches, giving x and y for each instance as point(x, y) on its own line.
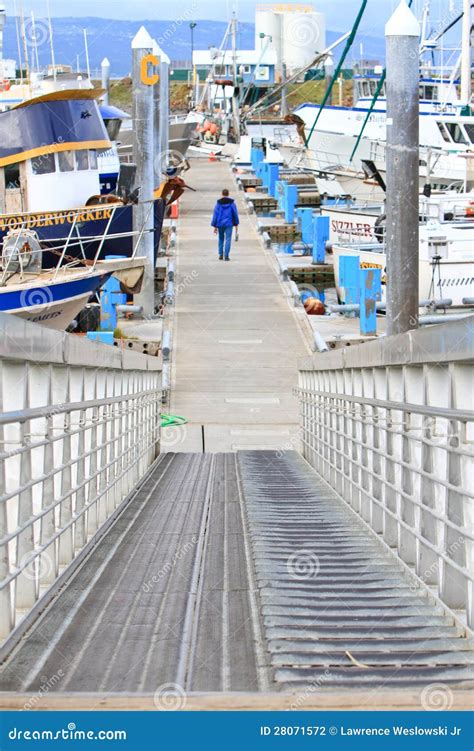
point(212, 157)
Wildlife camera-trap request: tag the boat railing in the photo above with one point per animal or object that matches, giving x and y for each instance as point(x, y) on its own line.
point(73, 241)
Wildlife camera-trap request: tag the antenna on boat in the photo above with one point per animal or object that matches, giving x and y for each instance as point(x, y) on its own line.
point(87, 55)
point(35, 41)
point(20, 59)
point(23, 35)
point(466, 85)
point(51, 42)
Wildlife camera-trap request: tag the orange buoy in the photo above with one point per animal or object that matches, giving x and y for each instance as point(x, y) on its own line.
point(314, 307)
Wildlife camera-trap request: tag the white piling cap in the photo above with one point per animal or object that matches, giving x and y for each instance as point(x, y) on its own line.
point(105, 63)
point(142, 40)
point(403, 23)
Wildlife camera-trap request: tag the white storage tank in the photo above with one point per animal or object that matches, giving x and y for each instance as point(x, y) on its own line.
point(268, 22)
point(304, 35)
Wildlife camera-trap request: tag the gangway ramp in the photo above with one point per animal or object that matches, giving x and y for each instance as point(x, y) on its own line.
point(237, 337)
point(239, 572)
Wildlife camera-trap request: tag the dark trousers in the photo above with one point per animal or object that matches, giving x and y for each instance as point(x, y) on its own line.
point(225, 234)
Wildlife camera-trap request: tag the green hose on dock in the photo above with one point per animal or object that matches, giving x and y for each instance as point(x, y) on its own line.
point(169, 420)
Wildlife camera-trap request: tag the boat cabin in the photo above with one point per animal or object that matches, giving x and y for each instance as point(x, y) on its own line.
point(49, 156)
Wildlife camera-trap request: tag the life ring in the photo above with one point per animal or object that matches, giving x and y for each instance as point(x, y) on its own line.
point(5, 84)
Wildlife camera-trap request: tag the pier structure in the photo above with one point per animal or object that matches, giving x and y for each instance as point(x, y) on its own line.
point(306, 537)
point(302, 538)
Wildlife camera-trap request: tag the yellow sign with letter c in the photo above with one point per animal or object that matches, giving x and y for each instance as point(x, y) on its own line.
point(149, 79)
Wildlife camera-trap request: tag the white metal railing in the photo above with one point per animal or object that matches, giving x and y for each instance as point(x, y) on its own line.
point(390, 426)
point(79, 428)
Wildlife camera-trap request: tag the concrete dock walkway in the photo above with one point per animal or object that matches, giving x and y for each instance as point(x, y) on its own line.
point(237, 338)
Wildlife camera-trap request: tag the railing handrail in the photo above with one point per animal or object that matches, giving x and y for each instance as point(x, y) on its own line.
point(36, 412)
point(442, 412)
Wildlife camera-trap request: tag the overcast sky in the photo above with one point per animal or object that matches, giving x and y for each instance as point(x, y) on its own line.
point(338, 12)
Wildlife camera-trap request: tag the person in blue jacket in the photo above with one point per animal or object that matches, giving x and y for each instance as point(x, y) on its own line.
point(225, 217)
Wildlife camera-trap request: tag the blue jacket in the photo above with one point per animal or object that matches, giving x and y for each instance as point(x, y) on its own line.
point(225, 213)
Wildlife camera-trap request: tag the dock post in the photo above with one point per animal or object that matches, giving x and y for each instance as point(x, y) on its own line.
point(320, 238)
point(159, 161)
point(304, 218)
point(143, 153)
point(256, 156)
point(165, 105)
point(273, 175)
point(290, 199)
point(370, 285)
point(349, 269)
point(402, 244)
point(105, 68)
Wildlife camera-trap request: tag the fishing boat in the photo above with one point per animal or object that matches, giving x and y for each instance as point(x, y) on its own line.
point(50, 179)
point(351, 141)
point(54, 297)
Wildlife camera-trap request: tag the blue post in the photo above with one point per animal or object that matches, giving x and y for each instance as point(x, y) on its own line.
point(110, 296)
point(260, 169)
point(320, 238)
point(370, 282)
point(290, 200)
point(256, 156)
point(304, 218)
point(273, 175)
point(349, 278)
point(262, 173)
point(280, 193)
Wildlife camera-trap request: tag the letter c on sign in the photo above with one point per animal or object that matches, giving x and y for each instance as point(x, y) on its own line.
point(145, 77)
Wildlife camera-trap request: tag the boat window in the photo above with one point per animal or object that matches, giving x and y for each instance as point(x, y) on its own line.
point(66, 161)
point(428, 92)
point(82, 160)
point(456, 133)
point(469, 127)
point(365, 88)
point(93, 160)
point(113, 128)
point(444, 132)
point(43, 165)
point(12, 176)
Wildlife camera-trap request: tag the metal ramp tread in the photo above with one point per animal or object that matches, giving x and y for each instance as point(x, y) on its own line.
point(337, 610)
point(195, 585)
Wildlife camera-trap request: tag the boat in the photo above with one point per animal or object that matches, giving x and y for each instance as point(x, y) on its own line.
point(350, 142)
point(53, 298)
point(50, 179)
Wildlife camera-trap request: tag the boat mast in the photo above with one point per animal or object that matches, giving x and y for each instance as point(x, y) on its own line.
point(466, 86)
point(235, 98)
point(51, 42)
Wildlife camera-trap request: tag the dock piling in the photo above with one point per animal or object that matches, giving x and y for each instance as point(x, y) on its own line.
point(105, 68)
point(143, 152)
point(402, 36)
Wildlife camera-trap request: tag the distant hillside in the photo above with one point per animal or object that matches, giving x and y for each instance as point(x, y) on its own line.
point(112, 38)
